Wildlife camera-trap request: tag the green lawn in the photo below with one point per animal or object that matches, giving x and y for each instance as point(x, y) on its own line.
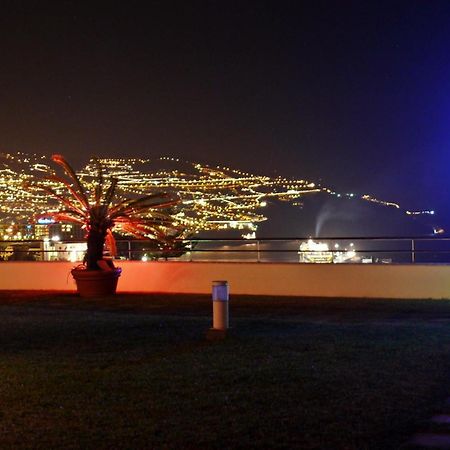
point(135, 371)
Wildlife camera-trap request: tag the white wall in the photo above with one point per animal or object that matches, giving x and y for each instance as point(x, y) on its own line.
point(316, 280)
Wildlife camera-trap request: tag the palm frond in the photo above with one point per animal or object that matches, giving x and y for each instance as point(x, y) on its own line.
point(99, 182)
point(99, 212)
point(111, 243)
point(153, 198)
point(140, 205)
point(73, 213)
point(157, 221)
point(59, 159)
point(74, 193)
point(142, 232)
point(111, 191)
point(63, 200)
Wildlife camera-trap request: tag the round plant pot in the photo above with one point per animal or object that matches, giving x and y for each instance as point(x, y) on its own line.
point(96, 283)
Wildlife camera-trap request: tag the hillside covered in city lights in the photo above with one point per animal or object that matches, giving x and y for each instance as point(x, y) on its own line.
point(213, 198)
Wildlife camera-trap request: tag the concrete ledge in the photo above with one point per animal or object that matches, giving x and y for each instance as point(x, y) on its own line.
point(311, 280)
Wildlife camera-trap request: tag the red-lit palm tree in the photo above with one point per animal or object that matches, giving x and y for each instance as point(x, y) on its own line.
point(145, 217)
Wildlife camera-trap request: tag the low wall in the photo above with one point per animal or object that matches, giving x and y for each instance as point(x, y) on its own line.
point(312, 280)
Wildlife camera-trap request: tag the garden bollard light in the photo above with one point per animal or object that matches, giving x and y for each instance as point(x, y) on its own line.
point(220, 305)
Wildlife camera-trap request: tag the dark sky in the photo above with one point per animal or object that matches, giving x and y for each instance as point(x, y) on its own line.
point(354, 93)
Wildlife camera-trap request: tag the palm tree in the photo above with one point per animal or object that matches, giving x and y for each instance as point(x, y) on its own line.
point(145, 217)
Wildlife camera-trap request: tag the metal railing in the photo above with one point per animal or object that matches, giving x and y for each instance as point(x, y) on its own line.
point(333, 250)
point(292, 250)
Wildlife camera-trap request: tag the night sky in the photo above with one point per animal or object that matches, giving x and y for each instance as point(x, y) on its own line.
point(353, 94)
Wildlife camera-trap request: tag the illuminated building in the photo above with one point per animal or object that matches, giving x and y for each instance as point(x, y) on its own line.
point(315, 252)
point(319, 252)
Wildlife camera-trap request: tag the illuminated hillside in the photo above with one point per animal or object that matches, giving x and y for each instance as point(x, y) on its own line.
point(213, 198)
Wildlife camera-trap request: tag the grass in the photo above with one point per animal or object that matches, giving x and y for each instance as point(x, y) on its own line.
point(135, 371)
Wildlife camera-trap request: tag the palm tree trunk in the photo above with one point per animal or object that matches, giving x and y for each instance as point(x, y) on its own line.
point(95, 242)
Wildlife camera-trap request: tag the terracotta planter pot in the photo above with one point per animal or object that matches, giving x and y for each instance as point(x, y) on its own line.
point(96, 283)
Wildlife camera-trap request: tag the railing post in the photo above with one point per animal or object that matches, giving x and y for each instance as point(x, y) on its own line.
point(129, 250)
point(258, 256)
point(413, 254)
point(190, 250)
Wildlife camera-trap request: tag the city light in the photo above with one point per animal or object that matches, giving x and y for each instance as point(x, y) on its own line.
point(212, 198)
point(216, 198)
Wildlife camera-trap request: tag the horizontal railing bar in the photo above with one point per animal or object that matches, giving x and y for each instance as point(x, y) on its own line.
point(303, 251)
point(364, 238)
point(416, 249)
point(246, 251)
point(269, 239)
